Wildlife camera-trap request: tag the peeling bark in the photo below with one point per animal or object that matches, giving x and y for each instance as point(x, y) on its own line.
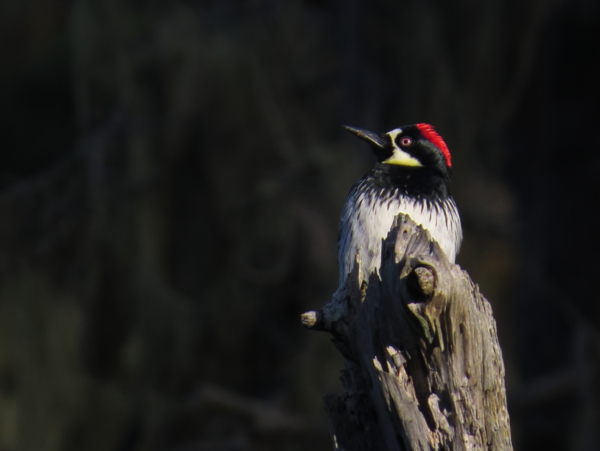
point(423, 367)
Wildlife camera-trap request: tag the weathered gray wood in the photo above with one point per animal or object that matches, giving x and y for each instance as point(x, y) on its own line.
point(423, 367)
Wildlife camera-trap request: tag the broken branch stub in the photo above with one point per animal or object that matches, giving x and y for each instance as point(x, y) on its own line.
point(423, 367)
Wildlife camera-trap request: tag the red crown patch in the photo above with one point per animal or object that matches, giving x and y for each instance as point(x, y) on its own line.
point(429, 133)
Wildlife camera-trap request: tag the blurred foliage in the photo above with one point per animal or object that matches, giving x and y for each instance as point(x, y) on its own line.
point(171, 178)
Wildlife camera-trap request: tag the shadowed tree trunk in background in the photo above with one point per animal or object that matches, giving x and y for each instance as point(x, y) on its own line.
point(423, 368)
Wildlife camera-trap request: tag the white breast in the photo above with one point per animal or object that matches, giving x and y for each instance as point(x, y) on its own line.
point(365, 223)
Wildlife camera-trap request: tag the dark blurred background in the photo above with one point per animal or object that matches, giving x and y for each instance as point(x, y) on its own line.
point(171, 177)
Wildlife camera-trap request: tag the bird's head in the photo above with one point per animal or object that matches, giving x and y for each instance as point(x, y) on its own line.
point(416, 146)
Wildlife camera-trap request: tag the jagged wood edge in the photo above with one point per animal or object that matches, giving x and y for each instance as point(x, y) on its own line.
point(423, 367)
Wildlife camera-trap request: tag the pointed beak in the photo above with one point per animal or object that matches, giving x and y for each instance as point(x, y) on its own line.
point(370, 137)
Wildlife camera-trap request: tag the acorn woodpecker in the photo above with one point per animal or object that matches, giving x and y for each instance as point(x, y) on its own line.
point(411, 176)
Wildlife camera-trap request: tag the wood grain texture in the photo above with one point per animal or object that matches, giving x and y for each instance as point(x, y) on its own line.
point(423, 367)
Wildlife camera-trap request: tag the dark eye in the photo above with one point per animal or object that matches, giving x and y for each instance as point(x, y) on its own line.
point(406, 141)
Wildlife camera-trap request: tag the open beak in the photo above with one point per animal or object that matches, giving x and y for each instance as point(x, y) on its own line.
point(370, 137)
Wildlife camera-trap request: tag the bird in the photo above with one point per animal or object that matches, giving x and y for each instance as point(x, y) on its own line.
point(411, 176)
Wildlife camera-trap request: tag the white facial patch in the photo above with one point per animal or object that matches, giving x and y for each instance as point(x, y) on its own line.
point(402, 158)
point(399, 156)
point(394, 133)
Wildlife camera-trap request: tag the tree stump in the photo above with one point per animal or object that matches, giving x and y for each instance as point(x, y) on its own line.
point(423, 367)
